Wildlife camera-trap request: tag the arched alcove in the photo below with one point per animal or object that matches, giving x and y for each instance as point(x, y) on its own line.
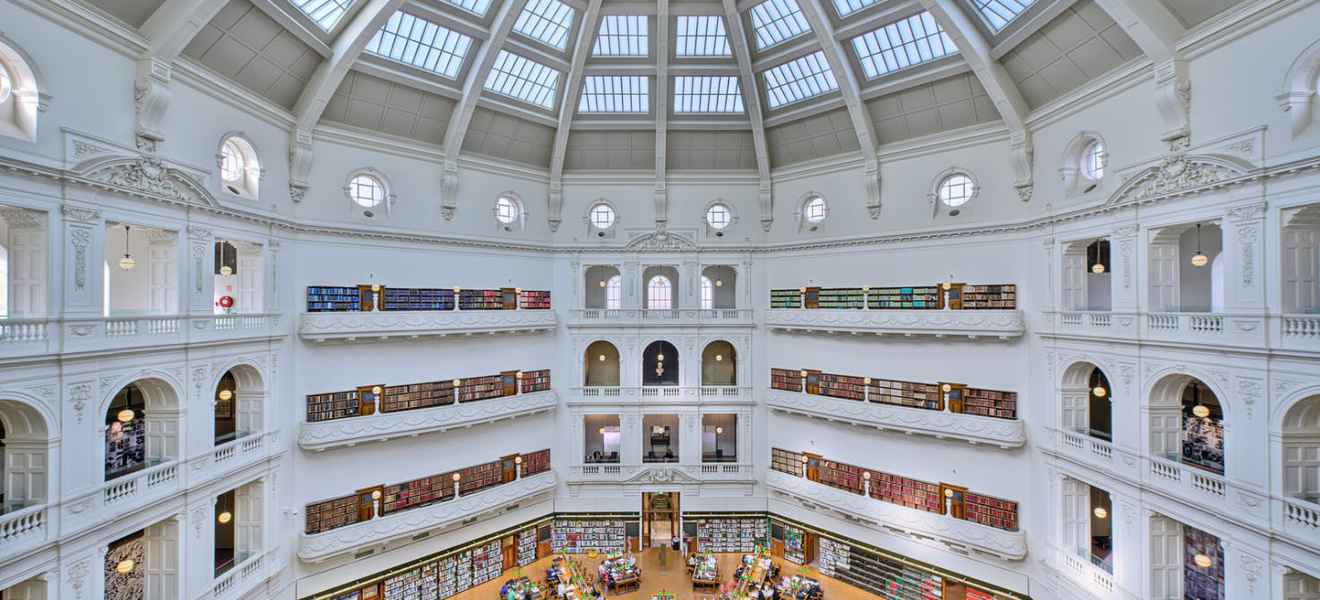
point(719, 286)
point(1300, 451)
point(141, 427)
point(600, 364)
point(660, 364)
point(239, 403)
point(1086, 400)
point(25, 450)
point(719, 364)
point(660, 288)
point(1187, 423)
point(1086, 276)
point(603, 285)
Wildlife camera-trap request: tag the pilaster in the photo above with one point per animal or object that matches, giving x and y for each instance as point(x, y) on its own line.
point(200, 271)
point(84, 252)
point(1123, 264)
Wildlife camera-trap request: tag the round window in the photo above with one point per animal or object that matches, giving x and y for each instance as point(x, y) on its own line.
point(602, 216)
point(1093, 162)
point(506, 210)
point(815, 210)
point(956, 190)
point(719, 216)
point(366, 191)
point(231, 161)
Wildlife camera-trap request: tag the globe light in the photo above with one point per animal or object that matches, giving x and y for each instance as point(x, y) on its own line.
point(1201, 410)
point(719, 357)
point(127, 263)
point(125, 566)
point(1100, 512)
point(228, 270)
point(457, 477)
point(126, 415)
point(226, 395)
point(602, 283)
point(1202, 561)
point(225, 517)
point(1098, 268)
point(1200, 260)
point(719, 283)
point(1100, 391)
point(602, 358)
point(719, 430)
point(377, 390)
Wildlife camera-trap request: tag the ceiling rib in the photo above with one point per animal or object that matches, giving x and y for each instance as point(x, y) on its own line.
point(752, 104)
point(660, 194)
point(814, 11)
point(1156, 31)
point(567, 110)
point(168, 31)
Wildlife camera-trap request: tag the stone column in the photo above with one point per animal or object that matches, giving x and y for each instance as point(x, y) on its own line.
point(201, 271)
point(84, 257)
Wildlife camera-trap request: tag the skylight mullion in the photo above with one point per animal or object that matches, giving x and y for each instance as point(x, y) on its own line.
point(523, 79)
point(911, 41)
point(775, 21)
point(325, 13)
point(999, 13)
point(414, 41)
point(801, 78)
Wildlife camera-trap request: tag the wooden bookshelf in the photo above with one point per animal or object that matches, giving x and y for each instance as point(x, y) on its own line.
point(843, 476)
point(905, 298)
point(535, 381)
point(786, 462)
point(786, 298)
point(877, 574)
point(534, 300)
point(905, 393)
point(906, 491)
point(577, 536)
point(535, 462)
point(333, 299)
point(811, 297)
point(841, 298)
point(732, 534)
point(417, 395)
point(484, 387)
point(847, 387)
point(480, 300)
point(334, 405)
point(416, 493)
point(1000, 514)
point(329, 514)
point(393, 299)
point(479, 477)
point(989, 297)
point(989, 403)
point(811, 381)
point(786, 379)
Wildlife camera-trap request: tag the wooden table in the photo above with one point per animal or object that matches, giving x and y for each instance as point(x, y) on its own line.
point(760, 570)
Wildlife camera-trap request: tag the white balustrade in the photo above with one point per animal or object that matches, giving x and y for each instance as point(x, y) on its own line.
point(1300, 512)
point(1301, 326)
point(14, 331)
point(22, 527)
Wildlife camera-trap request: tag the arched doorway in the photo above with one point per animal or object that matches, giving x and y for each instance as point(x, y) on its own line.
point(239, 403)
point(25, 451)
point(660, 364)
point(141, 427)
point(719, 364)
point(1187, 423)
point(1300, 452)
point(601, 364)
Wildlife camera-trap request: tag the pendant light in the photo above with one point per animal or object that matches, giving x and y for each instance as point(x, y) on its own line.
point(225, 517)
point(1097, 265)
point(1199, 259)
point(1098, 382)
point(127, 263)
point(1202, 561)
point(124, 567)
point(225, 269)
point(1198, 409)
point(127, 414)
point(1100, 512)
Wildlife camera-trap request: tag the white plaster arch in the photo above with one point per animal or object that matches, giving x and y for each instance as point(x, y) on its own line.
point(1168, 382)
point(25, 81)
point(588, 360)
point(159, 388)
point(33, 409)
point(735, 354)
point(163, 397)
point(252, 391)
point(1284, 405)
point(1075, 179)
point(31, 434)
point(254, 168)
point(1298, 90)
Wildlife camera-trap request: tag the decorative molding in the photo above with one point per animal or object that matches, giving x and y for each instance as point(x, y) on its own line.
point(79, 395)
point(326, 435)
point(80, 214)
point(1177, 174)
point(1001, 324)
point(662, 240)
point(363, 326)
point(76, 575)
point(148, 177)
point(975, 430)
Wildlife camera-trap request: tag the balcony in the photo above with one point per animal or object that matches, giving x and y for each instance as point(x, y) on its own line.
point(1297, 332)
point(29, 337)
point(973, 324)
point(239, 581)
point(1297, 520)
point(960, 535)
point(338, 433)
point(1285, 332)
point(678, 317)
point(1004, 433)
point(662, 473)
point(363, 326)
point(321, 546)
point(1195, 486)
point(1086, 575)
point(24, 529)
point(715, 394)
point(1091, 323)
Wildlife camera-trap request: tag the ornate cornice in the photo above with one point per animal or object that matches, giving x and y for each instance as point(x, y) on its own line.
point(339, 433)
point(352, 326)
point(1004, 433)
point(1001, 324)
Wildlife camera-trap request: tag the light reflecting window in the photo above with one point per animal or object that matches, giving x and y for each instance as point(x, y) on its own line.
point(506, 210)
point(602, 216)
point(614, 94)
point(814, 210)
point(701, 35)
point(902, 44)
point(6, 84)
point(707, 293)
point(621, 35)
point(798, 79)
point(614, 293)
point(415, 41)
point(775, 21)
point(658, 291)
point(998, 13)
point(718, 216)
point(231, 161)
point(955, 190)
point(325, 13)
point(546, 21)
point(707, 94)
point(1095, 159)
point(366, 191)
point(523, 79)
point(848, 7)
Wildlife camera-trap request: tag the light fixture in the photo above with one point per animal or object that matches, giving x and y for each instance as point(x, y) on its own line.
point(719, 283)
point(125, 566)
point(947, 286)
point(458, 382)
point(1201, 410)
point(948, 492)
point(1100, 391)
point(225, 269)
point(602, 431)
point(375, 287)
point(377, 390)
point(127, 263)
point(866, 289)
point(802, 373)
point(602, 358)
point(226, 395)
point(1199, 259)
point(517, 291)
point(375, 494)
point(126, 415)
point(866, 381)
point(602, 283)
point(457, 477)
point(225, 517)
point(802, 290)
point(659, 357)
point(517, 375)
point(1098, 267)
point(866, 475)
point(517, 460)
point(719, 430)
point(804, 459)
point(1100, 512)
point(719, 357)
point(457, 290)
point(946, 388)
point(1202, 561)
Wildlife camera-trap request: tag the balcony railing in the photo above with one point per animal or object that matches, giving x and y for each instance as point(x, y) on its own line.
point(660, 393)
point(238, 581)
point(999, 324)
point(1185, 323)
point(23, 529)
point(1087, 447)
point(324, 435)
point(1086, 574)
point(1189, 483)
point(28, 337)
point(380, 325)
point(661, 473)
point(674, 316)
point(1299, 332)
point(975, 429)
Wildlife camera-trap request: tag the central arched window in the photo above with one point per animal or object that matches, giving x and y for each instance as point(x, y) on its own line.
point(368, 191)
point(240, 169)
point(658, 293)
point(707, 293)
point(602, 216)
point(955, 190)
point(231, 162)
point(814, 210)
point(614, 293)
point(506, 210)
point(718, 216)
point(1095, 159)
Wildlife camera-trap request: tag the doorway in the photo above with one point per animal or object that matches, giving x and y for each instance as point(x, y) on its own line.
point(659, 518)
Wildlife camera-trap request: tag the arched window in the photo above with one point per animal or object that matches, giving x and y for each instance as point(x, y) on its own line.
point(1094, 160)
point(814, 210)
point(956, 190)
point(602, 216)
point(20, 98)
point(240, 169)
point(231, 162)
point(707, 293)
point(367, 191)
point(507, 210)
point(6, 84)
point(718, 216)
point(659, 293)
point(614, 293)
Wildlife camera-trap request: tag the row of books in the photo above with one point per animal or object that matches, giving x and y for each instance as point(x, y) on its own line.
point(378, 297)
point(988, 297)
point(731, 534)
point(330, 514)
point(879, 575)
point(786, 379)
point(786, 462)
point(955, 296)
point(577, 536)
point(928, 396)
point(1001, 514)
point(333, 299)
point(413, 396)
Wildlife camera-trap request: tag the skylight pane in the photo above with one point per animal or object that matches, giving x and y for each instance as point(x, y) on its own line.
point(324, 12)
point(621, 35)
point(415, 41)
point(546, 21)
point(523, 79)
point(614, 94)
point(707, 95)
point(998, 13)
point(848, 7)
point(775, 21)
point(799, 79)
point(701, 36)
point(478, 7)
point(902, 44)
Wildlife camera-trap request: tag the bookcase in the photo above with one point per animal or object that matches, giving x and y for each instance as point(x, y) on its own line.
point(413, 584)
point(535, 381)
point(1198, 582)
point(480, 300)
point(988, 297)
point(786, 298)
point(841, 298)
point(879, 575)
point(796, 545)
point(534, 300)
point(786, 379)
point(840, 475)
point(916, 297)
point(905, 393)
point(907, 492)
point(479, 477)
point(333, 299)
point(416, 299)
point(482, 388)
point(487, 562)
point(989, 403)
point(535, 462)
point(415, 493)
point(811, 381)
point(841, 386)
point(732, 534)
point(334, 405)
point(786, 462)
point(526, 546)
point(1001, 514)
point(575, 536)
point(417, 395)
point(329, 514)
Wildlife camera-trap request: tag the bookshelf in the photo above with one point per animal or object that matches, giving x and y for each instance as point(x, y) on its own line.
point(989, 297)
point(573, 536)
point(786, 379)
point(989, 403)
point(795, 545)
point(334, 405)
point(842, 386)
point(535, 381)
point(786, 298)
point(534, 300)
point(841, 298)
point(413, 584)
point(786, 462)
point(480, 300)
point(416, 299)
point(481, 388)
point(329, 514)
point(1000, 514)
point(907, 492)
point(417, 395)
point(905, 393)
point(487, 562)
point(526, 546)
point(333, 299)
point(732, 534)
point(479, 477)
point(415, 493)
point(839, 475)
point(906, 298)
point(536, 462)
point(876, 574)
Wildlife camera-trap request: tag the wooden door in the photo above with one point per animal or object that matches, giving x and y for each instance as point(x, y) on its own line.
point(1073, 281)
point(509, 551)
point(510, 381)
point(813, 466)
point(369, 298)
point(811, 298)
point(1166, 559)
point(1301, 268)
point(777, 549)
point(367, 400)
point(367, 504)
point(509, 468)
point(953, 296)
point(812, 382)
point(1163, 277)
point(509, 298)
point(953, 496)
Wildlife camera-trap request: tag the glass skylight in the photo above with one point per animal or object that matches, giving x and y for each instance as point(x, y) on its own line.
point(546, 21)
point(421, 43)
point(998, 13)
point(614, 94)
point(523, 79)
point(478, 7)
point(899, 45)
point(621, 35)
point(775, 21)
point(848, 7)
point(325, 12)
point(701, 36)
point(799, 79)
point(707, 95)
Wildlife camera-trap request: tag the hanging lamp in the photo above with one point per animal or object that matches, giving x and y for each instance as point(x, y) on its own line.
point(225, 269)
point(1199, 259)
point(1199, 409)
point(127, 263)
point(1097, 266)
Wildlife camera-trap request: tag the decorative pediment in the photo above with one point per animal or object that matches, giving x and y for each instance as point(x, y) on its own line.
point(150, 177)
point(662, 475)
point(662, 241)
point(1177, 173)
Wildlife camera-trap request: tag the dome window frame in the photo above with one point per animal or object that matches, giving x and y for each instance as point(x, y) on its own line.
point(714, 227)
point(1079, 178)
point(594, 227)
point(509, 212)
point(387, 196)
point(6, 84)
point(246, 184)
point(813, 211)
point(942, 180)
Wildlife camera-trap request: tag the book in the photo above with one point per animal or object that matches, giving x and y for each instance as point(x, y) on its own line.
point(740, 535)
point(989, 297)
point(786, 462)
point(577, 536)
point(329, 514)
point(334, 405)
point(847, 387)
point(333, 299)
point(535, 381)
point(536, 462)
point(483, 387)
point(841, 298)
point(534, 300)
point(989, 403)
point(1001, 514)
point(786, 298)
point(915, 297)
point(905, 393)
point(786, 379)
point(417, 299)
point(397, 398)
point(480, 300)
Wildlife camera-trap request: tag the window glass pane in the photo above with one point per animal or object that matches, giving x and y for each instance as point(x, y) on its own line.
point(798, 79)
point(1095, 160)
point(814, 211)
point(506, 210)
point(546, 21)
point(847, 7)
point(415, 41)
point(701, 36)
point(621, 35)
point(998, 13)
point(707, 293)
point(707, 95)
point(956, 190)
point(614, 94)
point(901, 44)
point(775, 21)
point(366, 190)
point(658, 293)
point(602, 216)
point(523, 79)
point(718, 216)
point(231, 161)
point(326, 13)
point(473, 6)
point(614, 293)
